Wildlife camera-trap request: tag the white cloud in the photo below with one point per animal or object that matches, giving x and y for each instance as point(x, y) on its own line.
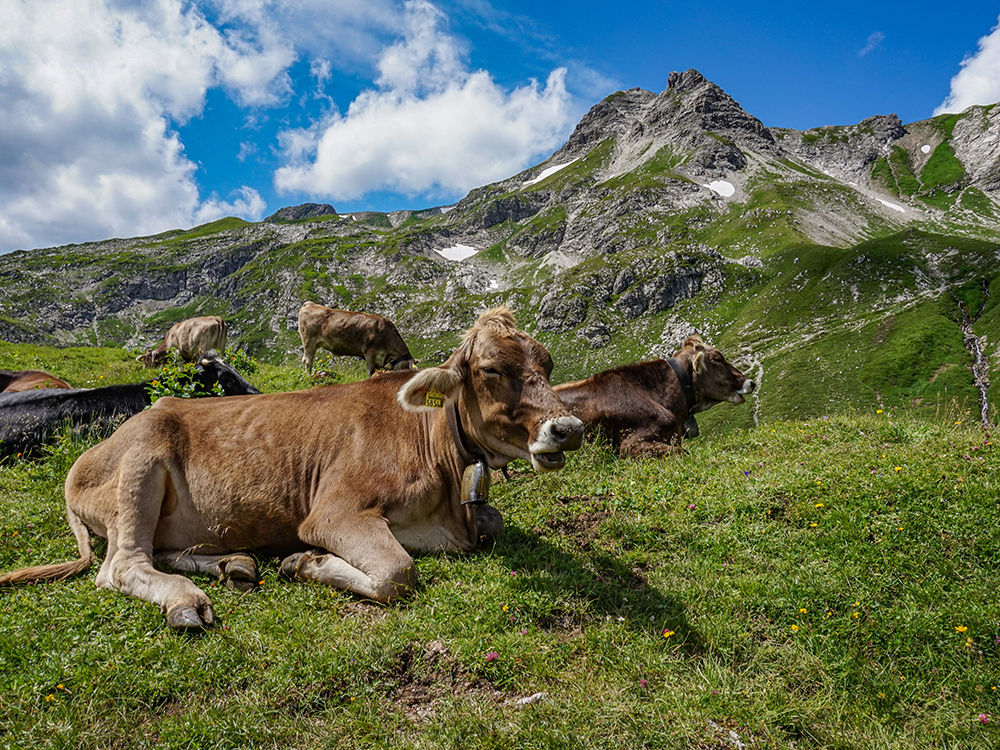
point(429, 123)
point(874, 40)
point(88, 92)
point(978, 82)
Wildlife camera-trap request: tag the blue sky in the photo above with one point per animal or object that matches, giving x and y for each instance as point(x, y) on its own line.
point(129, 117)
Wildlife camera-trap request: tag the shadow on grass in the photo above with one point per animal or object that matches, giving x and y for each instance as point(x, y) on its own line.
point(590, 585)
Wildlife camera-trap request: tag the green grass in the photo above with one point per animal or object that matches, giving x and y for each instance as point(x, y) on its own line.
point(818, 584)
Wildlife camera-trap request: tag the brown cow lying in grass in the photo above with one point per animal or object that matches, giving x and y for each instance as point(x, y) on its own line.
point(340, 480)
point(642, 408)
point(18, 381)
point(352, 334)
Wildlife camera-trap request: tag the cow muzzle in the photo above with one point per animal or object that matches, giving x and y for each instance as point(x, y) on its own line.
point(556, 436)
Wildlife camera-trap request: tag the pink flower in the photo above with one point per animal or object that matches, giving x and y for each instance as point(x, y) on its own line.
point(492, 656)
point(984, 718)
point(643, 683)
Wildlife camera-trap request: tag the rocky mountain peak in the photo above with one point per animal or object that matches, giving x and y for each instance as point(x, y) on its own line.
point(685, 81)
point(304, 211)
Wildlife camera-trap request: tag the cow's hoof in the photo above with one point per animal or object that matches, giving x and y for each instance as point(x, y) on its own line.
point(489, 523)
point(290, 565)
point(238, 572)
point(188, 618)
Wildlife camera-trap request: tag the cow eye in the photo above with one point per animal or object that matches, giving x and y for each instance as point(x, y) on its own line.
point(492, 372)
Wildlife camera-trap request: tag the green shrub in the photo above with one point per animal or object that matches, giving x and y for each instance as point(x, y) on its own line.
point(180, 381)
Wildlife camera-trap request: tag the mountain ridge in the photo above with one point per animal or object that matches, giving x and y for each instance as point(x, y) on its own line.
point(662, 215)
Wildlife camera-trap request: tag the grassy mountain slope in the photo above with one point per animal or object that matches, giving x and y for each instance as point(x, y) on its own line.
point(830, 262)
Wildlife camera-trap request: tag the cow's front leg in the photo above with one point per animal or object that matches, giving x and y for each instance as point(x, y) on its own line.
point(358, 554)
point(237, 570)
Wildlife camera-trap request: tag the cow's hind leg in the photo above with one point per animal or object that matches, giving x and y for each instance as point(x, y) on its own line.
point(128, 567)
point(364, 558)
point(237, 570)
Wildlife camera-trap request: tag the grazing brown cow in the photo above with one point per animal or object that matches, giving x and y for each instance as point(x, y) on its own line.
point(352, 334)
point(191, 338)
point(643, 407)
point(16, 381)
point(344, 479)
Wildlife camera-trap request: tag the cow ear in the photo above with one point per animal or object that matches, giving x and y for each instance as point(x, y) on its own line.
point(431, 388)
point(698, 363)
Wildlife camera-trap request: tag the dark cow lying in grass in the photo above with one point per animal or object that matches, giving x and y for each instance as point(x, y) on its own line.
point(340, 480)
point(16, 381)
point(352, 334)
point(644, 408)
point(30, 419)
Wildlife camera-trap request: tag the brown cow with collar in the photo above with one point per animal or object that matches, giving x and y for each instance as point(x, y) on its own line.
point(18, 381)
point(353, 334)
point(343, 479)
point(192, 338)
point(645, 407)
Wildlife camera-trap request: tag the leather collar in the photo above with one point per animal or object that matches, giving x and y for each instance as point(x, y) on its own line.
point(686, 385)
point(468, 451)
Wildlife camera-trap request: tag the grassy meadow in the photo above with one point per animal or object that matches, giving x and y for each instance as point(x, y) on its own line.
point(828, 583)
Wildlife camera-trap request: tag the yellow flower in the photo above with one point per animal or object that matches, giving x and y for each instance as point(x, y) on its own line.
point(50, 697)
point(795, 628)
point(667, 633)
point(856, 615)
point(802, 610)
point(960, 628)
point(813, 525)
point(898, 468)
point(878, 411)
point(819, 505)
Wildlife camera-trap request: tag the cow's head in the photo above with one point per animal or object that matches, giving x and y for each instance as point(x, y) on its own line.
point(406, 362)
point(499, 380)
point(212, 369)
point(148, 358)
point(714, 378)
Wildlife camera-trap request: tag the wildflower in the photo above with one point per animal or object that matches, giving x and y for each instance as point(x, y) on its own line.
point(795, 628)
point(813, 525)
point(49, 697)
point(984, 718)
point(898, 468)
point(643, 683)
point(524, 632)
point(691, 506)
point(668, 633)
point(960, 628)
point(819, 505)
point(878, 411)
point(856, 615)
point(505, 608)
point(802, 610)
point(492, 656)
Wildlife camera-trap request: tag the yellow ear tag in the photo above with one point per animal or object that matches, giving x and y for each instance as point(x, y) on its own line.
point(434, 400)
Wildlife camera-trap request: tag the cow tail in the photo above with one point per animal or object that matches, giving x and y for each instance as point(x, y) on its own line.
point(57, 571)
